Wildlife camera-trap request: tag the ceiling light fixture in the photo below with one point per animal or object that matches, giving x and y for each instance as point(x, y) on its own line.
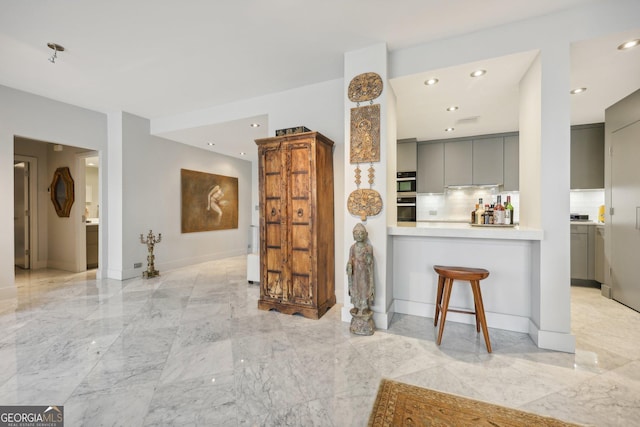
point(449, 130)
point(242, 153)
point(578, 90)
point(56, 48)
point(255, 125)
point(430, 82)
point(211, 144)
point(452, 108)
point(478, 73)
point(629, 44)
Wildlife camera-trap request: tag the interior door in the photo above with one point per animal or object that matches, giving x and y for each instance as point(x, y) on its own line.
point(21, 213)
point(625, 221)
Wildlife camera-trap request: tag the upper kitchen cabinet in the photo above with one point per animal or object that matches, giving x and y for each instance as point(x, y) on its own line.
point(406, 155)
point(587, 156)
point(511, 163)
point(488, 160)
point(430, 173)
point(480, 160)
point(458, 163)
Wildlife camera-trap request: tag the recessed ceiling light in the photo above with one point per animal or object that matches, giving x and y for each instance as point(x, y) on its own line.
point(449, 130)
point(431, 82)
point(242, 153)
point(211, 144)
point(629, 44)
point(578, 90)
point(255, 125)
point(452, 108)
point(478, 73)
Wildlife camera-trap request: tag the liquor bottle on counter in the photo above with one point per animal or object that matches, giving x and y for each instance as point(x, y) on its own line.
point(473, 215)
point(480, 212)
point(488, 215)
point(508, 212)
point(491, 206)
point(499, 212)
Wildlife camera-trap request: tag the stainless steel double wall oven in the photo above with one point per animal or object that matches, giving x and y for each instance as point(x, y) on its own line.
point(406, 196)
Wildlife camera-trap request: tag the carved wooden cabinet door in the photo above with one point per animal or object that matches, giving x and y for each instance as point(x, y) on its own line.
point(273, 241)
point(299, 156)
point(296, 224)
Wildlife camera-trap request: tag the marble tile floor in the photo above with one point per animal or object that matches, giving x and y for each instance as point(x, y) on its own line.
point(191, 348)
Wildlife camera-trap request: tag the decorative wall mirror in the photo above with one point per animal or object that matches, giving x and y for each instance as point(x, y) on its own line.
point(62, 194)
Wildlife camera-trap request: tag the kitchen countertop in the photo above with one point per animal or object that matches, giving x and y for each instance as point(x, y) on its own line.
point(464, 230)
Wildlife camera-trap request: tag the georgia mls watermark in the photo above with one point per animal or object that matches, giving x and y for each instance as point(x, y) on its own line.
point(31, 416)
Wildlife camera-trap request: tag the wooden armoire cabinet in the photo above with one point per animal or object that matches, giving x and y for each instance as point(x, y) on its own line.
point(296, 224)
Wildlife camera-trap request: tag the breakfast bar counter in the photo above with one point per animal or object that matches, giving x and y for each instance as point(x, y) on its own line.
point(511, 254)
point(464, 230)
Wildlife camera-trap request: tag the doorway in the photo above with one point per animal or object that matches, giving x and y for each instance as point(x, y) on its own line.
point(51, 242)
point(21, 214)
point(92, 207)
point(25, 227)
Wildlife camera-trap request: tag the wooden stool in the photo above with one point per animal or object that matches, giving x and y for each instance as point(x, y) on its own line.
point(446, 276)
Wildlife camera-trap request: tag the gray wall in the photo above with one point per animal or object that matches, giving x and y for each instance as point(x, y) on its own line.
point(35, 117)
point(151, 200)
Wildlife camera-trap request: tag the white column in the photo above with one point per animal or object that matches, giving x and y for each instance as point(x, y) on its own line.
point(114, 198)
point(545, 116)
point(7, 286)
point(555, 151)
point(371, 59)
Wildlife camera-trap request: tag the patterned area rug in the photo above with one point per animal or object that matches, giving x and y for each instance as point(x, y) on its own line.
point(399, 404)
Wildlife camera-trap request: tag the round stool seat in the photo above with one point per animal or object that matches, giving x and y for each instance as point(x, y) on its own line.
point(461, 273)
point(446, 277)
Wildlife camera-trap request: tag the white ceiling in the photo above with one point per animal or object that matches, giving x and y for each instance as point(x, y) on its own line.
point(489, 104)
point(486, 104)
point(157, 58)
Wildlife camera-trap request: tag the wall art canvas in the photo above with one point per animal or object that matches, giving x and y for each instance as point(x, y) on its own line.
point(209, 201)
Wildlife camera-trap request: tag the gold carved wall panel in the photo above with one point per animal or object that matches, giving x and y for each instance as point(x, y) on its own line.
point(365, 134)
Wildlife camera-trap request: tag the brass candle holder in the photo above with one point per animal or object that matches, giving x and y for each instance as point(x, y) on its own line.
point(150, 241)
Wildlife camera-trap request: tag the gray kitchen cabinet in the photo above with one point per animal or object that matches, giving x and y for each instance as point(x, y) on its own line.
point(587, 156)
point(458, 163)
point(623, 185)
point(583, 252)
point(406, 159)
point(600, 261)
point(511, 163)
point(488, 161)
point(430, 173)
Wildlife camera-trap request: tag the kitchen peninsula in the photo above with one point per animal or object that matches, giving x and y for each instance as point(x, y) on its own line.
point(511, 254)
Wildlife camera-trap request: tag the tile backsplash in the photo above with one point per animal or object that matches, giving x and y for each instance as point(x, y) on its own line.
point(456, 204)
point(586, 202)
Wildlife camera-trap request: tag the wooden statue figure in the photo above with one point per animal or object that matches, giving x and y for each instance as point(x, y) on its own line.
point(361, 283)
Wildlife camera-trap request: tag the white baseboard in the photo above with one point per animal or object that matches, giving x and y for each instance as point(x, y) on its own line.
point(381, 320)
point(62, 265)
point(494, 320)
point(551, 340)
point(131, 273)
